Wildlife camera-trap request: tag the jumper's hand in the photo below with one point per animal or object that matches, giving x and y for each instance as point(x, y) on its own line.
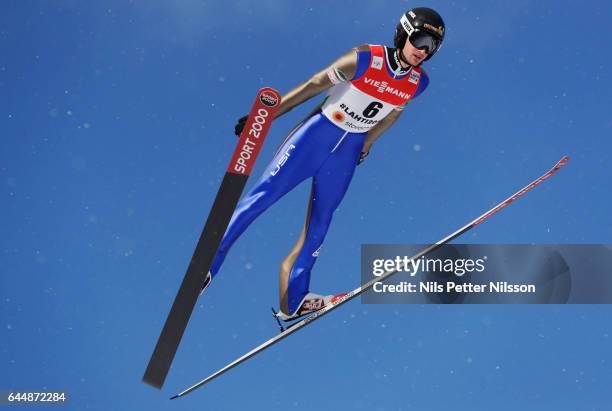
point(363, 156)
point(240, 125)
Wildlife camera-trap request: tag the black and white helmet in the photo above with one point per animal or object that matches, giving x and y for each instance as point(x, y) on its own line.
point(424, 27)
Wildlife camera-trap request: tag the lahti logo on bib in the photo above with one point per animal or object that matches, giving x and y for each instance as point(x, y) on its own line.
point(338, 116)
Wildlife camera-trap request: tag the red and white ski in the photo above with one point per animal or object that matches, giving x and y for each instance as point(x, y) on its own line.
point(251, 140)
point(359, 290)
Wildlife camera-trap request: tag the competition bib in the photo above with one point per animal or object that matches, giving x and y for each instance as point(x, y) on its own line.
point(358, 105)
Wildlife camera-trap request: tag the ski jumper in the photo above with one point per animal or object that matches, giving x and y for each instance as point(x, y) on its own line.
point(325, 147)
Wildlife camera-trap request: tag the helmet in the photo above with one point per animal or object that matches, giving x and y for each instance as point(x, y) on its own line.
point(424, 27)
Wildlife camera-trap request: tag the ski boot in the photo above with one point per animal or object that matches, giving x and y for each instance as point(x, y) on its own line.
point(310, 303)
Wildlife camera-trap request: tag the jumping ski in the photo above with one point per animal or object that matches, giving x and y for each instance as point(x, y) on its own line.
point(349, 296)
point(251, 140)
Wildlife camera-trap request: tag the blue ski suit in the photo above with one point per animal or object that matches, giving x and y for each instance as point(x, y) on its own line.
point(327, 153)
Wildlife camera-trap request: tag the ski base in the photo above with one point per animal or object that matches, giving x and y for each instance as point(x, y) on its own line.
point(251, 140)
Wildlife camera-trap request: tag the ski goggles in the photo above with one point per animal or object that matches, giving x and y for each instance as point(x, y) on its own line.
point(425, 41)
